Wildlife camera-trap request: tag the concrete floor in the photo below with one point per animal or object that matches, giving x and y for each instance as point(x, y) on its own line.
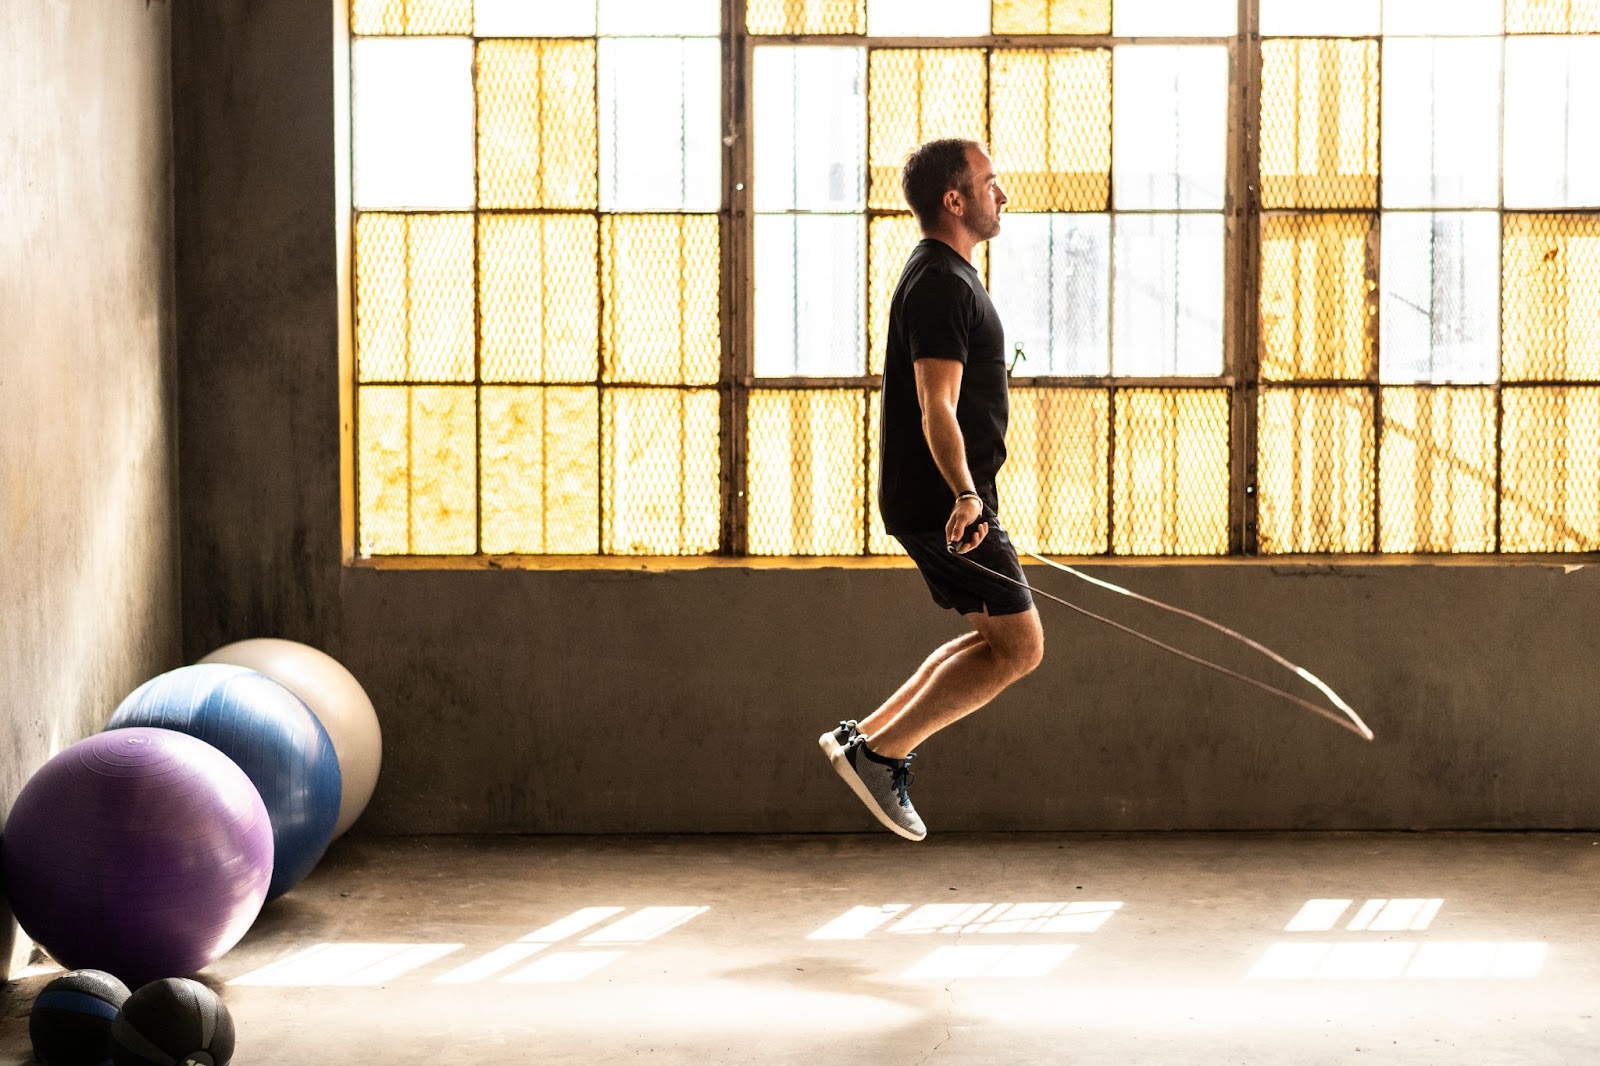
point(1452, 948)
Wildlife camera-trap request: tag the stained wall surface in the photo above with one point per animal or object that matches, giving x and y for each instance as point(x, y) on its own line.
point(88, 493)
point(615, 701)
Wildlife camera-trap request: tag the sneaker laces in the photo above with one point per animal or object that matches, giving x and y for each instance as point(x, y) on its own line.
point(847, 725)
point(904, 779)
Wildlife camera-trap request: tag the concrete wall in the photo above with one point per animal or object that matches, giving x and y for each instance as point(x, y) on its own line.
point(88, 496)
point(690, 700)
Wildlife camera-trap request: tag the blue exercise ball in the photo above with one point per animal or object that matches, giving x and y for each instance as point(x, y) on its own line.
point(274, 738)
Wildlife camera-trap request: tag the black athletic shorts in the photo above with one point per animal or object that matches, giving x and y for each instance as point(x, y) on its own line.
point(958, 585)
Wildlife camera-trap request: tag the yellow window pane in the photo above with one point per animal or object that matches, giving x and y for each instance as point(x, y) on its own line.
point(1051, 137)
point(663, 458)
point(917, 95)
point(662, 278)
point(541, 470)
point(1319, 297)
point(806, 16)
point(414, 297)
point(890, 239)
point(1319, 123)
point(1553, 16)
point(1052, 16)
point(1315, 470)
point(540, 297)
point(879, 542)
point(1436, 470)
point(417, 476)
point(410, 16)
point(1550, 473)
point(537, 145)
point(1053, 485)
point(1171, 472)
point(1551, 297)
point(807, 472)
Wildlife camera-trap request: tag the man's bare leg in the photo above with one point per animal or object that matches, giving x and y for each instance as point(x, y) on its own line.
point(1008, 648)
point(917, 682)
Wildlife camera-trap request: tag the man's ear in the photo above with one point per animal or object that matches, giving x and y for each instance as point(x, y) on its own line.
point(953, 201)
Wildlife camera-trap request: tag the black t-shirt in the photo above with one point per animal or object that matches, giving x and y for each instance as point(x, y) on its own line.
point(940, 310)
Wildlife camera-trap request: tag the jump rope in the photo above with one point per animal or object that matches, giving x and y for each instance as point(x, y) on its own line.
point(1347, 718)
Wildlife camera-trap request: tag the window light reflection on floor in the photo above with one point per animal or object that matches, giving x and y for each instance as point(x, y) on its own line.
point(1375, 915)
point(1396, 959)
point(647, 923)
point(347, 964)
point(973, 961)
point(1082, 917)
point(563, 966)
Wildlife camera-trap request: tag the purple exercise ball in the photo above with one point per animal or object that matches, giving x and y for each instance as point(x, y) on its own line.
point(142, 852)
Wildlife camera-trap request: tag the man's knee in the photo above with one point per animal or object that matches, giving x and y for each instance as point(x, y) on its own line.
point(1020, 652)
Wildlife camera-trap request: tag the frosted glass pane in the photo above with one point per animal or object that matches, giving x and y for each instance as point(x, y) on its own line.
point(1169, 126)
point(927, 18)
point(1441, 17)
point(1552, 156)
point(809, 285)
point(1441, 102)
point(1168, 296)
point(1174, 18)
point(1300, 18)
point(1050, 279)
point(413, 122)
point(534, 18)
point(1440, 278)
point(660, 18)
point(659, 115)
point(810, 129)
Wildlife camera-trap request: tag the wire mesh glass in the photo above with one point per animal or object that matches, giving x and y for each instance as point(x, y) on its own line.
point(1319, 123)
point(416, 492)
point(879, 542)
point(1550, 470)
point(1052, 16)
point(537, 138)
point(541, 470)
point(1552, 108)
point(411, 16)
point(1053, 487)
point(806, 452)
point(539, 295)
point(1051, 127)
point(1440, 286)
point(1170, 472)
point(806, 16)
point(1319, 296)
point(1550, 289)
point(915, 95)
point(413, 298)
point(661, 281)
point(662, 472)
point(1315, 470)
point(1050, 279)
point(1437, 470)
point(1553, 16)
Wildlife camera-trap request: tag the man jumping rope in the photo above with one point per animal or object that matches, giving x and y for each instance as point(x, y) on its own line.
point(945, 407)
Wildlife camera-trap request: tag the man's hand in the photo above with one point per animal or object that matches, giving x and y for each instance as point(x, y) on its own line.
point(967, 510)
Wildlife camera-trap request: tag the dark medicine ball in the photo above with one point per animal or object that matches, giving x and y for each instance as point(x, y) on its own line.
point(175, 1022)
point(71, 1019)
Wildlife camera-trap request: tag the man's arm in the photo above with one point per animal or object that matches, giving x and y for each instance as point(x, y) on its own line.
point(938, 392)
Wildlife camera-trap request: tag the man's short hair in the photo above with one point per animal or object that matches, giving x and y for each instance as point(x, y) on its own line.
point(933, 170)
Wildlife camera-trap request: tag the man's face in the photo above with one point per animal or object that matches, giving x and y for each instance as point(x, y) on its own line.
point(983, 196)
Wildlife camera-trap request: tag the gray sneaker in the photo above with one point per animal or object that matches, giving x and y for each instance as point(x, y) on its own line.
point(833, 741)
point(881, 784)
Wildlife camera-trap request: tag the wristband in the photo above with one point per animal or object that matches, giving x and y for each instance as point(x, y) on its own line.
point(969, 496)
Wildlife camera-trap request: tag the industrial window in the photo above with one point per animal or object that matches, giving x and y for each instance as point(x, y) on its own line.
point(1277, 276)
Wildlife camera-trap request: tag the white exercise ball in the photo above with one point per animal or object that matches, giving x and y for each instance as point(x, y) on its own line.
point(338, 701)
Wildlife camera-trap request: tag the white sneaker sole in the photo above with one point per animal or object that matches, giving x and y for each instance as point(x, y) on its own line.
point(841, 766)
